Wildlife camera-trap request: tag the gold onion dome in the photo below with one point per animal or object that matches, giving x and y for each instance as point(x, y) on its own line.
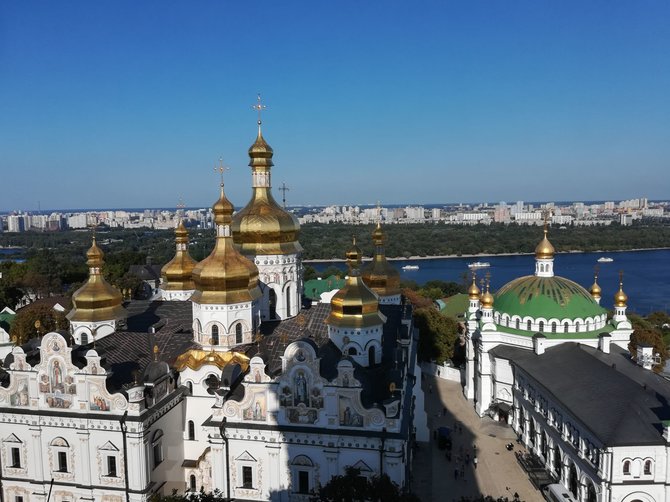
point(473, 291)
point(379, 274)
point(620, 298)
point(225, 276)
point(96, 300)
point(486, 299)
point(595, 289)
point(544, 250)
point(177, 273)
point(355, 305)
point(263, 227)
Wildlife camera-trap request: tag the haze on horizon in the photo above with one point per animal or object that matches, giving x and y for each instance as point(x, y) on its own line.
point(130, 104)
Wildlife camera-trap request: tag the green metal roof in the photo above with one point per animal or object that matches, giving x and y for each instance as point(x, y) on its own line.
point(315, 287)
point(548, 297)
point(456, 305)
point(6, 320)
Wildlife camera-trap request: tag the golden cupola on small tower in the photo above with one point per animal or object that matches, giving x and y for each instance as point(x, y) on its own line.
point(225, 276)
point(97, 304)
point(355, 305)
point(379, 275)
point(263, 227)
point(177, 273)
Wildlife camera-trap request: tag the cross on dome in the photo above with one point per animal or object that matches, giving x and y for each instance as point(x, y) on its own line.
point(259, 107)
point(221, 169)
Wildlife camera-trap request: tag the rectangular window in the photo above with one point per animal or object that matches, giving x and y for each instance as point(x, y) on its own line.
point(303, 482)
point(247, 477)
point(16, 457)
point(111, 465)
point(62, 461)
point(158, 454)
point(18, 498)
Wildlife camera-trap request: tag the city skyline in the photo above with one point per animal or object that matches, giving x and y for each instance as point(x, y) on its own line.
point(447, 102)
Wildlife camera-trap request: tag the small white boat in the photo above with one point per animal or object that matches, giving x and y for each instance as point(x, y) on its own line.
point(605, 259)
point(410, 267)
point(479, 264)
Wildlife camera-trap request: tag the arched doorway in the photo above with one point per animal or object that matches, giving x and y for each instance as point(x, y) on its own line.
point(273, 303)
point(590, 493)
point(573, 482)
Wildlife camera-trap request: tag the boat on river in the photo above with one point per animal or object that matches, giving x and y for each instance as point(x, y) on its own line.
point(605, 259)
point(410, 267)
point(478, 264)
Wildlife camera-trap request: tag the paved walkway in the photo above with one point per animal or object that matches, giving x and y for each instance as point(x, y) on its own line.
point(497, 472)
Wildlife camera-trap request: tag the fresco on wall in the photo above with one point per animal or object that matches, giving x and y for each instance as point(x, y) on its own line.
point(97, 401)
point(348, 415)
point(57, 386)
point(302, 403)
point(20, 397)
point(257, 409)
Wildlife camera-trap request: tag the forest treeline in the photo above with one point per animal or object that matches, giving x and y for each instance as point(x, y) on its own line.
point(55, 262)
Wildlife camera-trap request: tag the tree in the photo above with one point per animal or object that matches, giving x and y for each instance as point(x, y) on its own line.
point(23, 325)
point(352, 487)
point(201, 496)
point(645, 332)
point(437, 335)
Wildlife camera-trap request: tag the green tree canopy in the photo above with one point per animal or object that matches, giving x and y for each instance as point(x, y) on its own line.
point(23, 325)
point(438, 335)
point(352, 487)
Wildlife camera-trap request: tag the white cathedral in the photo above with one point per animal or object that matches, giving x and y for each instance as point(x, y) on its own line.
point(228, 383)
point(543, 356)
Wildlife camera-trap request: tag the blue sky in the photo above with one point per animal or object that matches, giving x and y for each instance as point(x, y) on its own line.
point(130, 104)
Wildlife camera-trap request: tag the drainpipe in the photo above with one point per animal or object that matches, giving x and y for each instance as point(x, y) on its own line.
point(381, 453)
point(124, 430)
point(222, 429)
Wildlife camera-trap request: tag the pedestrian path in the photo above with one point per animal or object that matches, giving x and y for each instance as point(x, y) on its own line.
point(496, 472)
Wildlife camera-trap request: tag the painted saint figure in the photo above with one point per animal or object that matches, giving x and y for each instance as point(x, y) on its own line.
point(300, 389)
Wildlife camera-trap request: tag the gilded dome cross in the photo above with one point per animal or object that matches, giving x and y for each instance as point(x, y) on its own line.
point(221, 169)
point(259, 107)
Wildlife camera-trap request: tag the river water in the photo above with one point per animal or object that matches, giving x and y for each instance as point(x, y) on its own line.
point(646, 273)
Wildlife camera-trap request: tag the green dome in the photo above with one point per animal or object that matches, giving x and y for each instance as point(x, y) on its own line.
point(547, 297)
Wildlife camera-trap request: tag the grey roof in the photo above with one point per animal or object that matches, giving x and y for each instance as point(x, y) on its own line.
point(621, 403)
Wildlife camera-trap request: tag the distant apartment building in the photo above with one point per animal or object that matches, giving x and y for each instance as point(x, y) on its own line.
point(626, 220)
point(15, 223)
point(529, 218)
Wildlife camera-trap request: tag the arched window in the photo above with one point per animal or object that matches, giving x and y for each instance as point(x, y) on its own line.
point(157, 447)
point(288, 302)
point(238, 333)
point(215, 334)
point(647, 467)
point(353, 351)
point(191, 483)
point(529, 325)
point(626, 467)
point(191, 430)
point(84, 338)
point(518, 323)
point(566, 327)
point(189, 386)
point(541, 326)
point(60, 451)
point(577, 326)
point(553, 327)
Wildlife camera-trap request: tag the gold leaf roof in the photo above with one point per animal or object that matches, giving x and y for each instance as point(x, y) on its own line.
point(96, 300)
point(177, 272)
point(379, 275)
point(197, 358)
point(225, 276)
point(262, 226)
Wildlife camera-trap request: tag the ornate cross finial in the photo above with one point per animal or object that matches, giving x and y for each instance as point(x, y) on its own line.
point(259, 107)
point(221, 169)
point(283, 189)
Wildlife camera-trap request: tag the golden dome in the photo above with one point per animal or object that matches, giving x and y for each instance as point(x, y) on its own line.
point(544, 250)
point(355, 305)
point(379, 274)
point(473, 291)
point(97, 300)
point(487, 298)
point(197, 358)
point(595, 290)
point(177, 272)
point(263, 227)
point(620, 298)
point(225, 276)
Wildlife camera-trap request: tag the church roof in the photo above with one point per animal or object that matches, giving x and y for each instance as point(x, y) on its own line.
point(548, 297)
point(619, 402)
